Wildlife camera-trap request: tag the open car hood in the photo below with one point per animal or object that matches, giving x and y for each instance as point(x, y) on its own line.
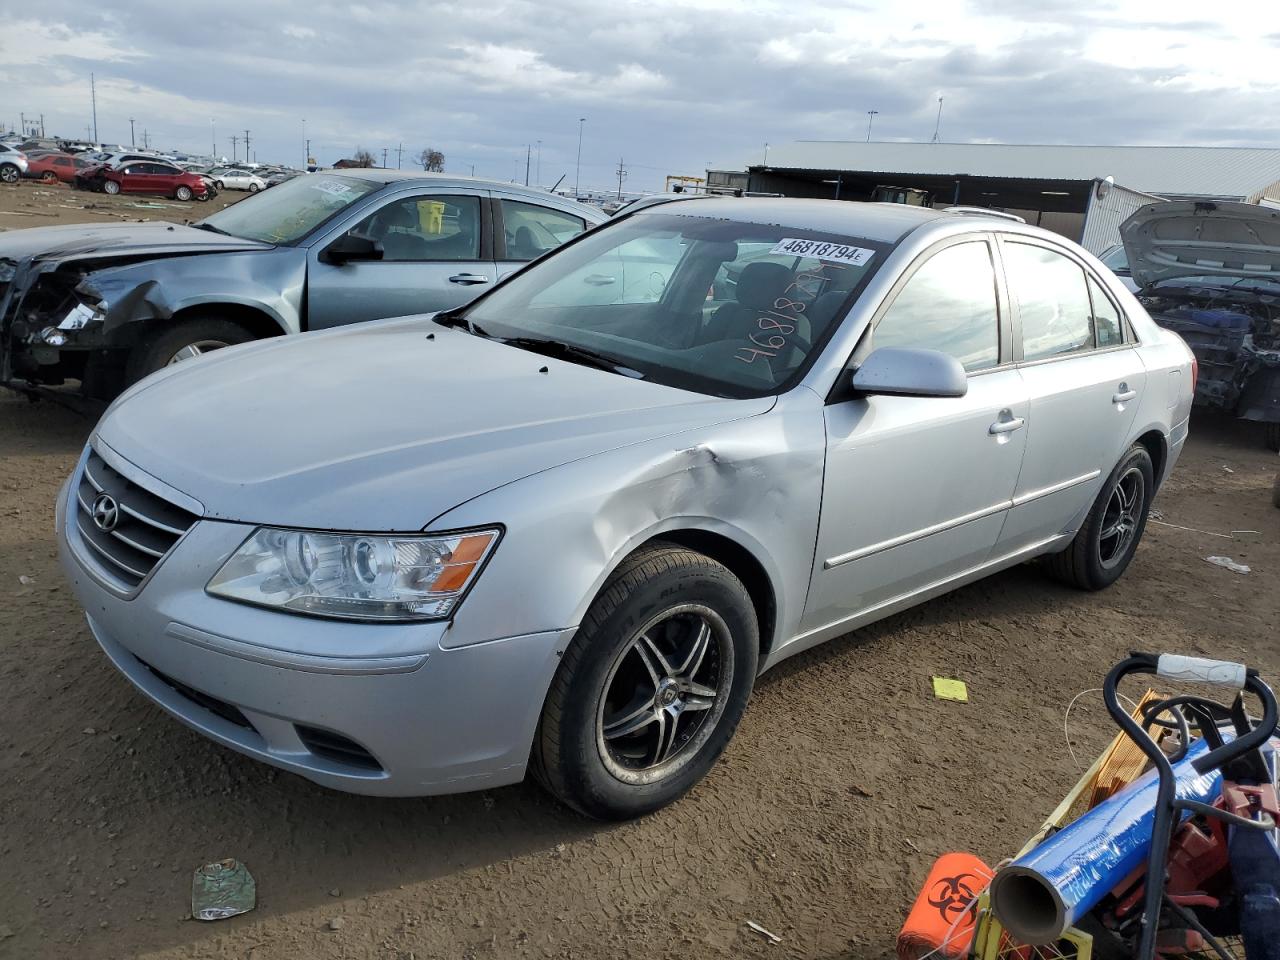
point(126, 240)
point(1197, 238)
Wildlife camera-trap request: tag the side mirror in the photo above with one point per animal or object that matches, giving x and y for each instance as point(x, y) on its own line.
point(352, 246)
point(907, 372)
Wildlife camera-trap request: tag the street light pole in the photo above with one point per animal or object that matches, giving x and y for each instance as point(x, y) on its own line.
point(132, 141)
point(539, 162)
point(577, 172)
point(871, 115)
point(213, 138)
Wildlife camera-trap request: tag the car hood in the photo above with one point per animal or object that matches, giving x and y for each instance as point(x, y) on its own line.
point(384, 426)
point(1195, 238)
point(75, 241)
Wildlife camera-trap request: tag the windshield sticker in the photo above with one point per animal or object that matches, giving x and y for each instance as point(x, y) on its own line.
point(80, 315)
point(777, 324)
point(822, 250)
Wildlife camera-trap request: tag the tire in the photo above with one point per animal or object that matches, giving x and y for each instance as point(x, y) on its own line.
point(183, 193)
point(1097, 557)
point(1275, 493)
point(9, 173)
point(1272, 437)
point(180, 342)
point(48, 177)
point(110, 187)
point(254, 188)
point(679, 599)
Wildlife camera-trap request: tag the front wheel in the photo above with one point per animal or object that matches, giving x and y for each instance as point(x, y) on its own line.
point(110, 187)
point(49, 177)
point(9, 173)
point(184, 341)
point(183, 193)
point(1272, 437)
point(651, 689)
point(254, 188)
point(1108, 538)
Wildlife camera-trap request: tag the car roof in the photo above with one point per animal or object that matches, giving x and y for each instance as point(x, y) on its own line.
point(379, 175)
point(884, 222)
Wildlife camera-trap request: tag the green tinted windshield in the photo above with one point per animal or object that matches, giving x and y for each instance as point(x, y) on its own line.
point(291, 210)
point(719, 306)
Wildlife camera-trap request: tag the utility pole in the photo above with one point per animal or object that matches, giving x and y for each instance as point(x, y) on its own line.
point(234, 141)
point(528, 155)
point(384, 158)
point(871, 115)
point(539, 162)
point(42, 124)
point(213, 139)
point(937, 126)
point(133, 141)
point(146, 139)
point(577, 171)
point(93, 95)
point(246, 146)
point(622, 175)
point(22, 124)
point(308, 163)
point(399, 151)
point(307, 157)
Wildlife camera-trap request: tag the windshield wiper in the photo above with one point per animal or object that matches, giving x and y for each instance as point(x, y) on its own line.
point(454, 318)
point(211, 228)
point(573, 353)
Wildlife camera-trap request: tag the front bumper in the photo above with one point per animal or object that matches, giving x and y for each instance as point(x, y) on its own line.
point(366, 708)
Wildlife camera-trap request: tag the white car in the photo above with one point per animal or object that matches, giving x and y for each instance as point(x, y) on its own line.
point(238, 180)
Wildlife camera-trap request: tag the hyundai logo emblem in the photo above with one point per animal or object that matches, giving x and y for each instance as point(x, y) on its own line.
point(106, 512)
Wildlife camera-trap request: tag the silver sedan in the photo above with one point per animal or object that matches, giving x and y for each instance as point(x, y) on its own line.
point(565, 528)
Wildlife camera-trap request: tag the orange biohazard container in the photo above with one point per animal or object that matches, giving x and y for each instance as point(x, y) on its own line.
point(943, 919)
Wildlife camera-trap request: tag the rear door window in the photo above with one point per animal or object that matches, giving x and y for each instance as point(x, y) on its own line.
point(531, 229)
point(948, 304)
point(1107, 329)
point(1053, 301)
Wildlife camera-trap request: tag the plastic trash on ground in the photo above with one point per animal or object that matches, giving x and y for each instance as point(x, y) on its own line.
point(222, 889)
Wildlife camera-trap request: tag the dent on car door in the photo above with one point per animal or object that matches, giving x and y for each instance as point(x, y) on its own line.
point(916, 489)
point(437, 254)
point(1084, 381)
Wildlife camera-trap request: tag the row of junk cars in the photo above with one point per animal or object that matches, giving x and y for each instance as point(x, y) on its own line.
point(119, 169)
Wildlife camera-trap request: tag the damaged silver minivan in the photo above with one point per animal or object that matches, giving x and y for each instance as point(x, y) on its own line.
point(1210, 272)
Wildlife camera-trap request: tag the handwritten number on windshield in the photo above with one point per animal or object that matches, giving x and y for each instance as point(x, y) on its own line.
point(780, 322)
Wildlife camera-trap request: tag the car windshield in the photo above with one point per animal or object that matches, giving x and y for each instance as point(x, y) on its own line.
point(290, 211)
point(1115, 258)
point(718, 306)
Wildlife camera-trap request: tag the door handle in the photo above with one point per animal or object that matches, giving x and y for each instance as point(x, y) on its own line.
point(1123, 395)
point(467, 279)
point(599, 280)
point(1005, 426)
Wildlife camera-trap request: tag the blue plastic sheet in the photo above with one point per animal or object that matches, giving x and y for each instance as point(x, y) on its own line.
point(1089, 857)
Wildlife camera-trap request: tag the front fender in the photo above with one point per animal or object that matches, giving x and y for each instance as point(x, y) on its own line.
point(756, 481)
point(271, 282)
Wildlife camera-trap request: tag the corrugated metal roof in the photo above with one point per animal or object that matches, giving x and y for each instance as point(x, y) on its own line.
point(1199, 171)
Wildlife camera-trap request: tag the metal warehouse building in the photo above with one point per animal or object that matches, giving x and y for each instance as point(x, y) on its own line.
point(1049, 185)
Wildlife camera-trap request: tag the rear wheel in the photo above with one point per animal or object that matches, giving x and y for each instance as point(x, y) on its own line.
point(185, 341)
point(49, 177)
point(1109, 536)
point(651, 688)
point(183, 193)
point(111, 187)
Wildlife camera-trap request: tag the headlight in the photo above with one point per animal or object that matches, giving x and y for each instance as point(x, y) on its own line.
point(354, 576)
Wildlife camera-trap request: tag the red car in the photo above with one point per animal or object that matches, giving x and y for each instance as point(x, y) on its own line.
point(153, 177)
point(52, 167)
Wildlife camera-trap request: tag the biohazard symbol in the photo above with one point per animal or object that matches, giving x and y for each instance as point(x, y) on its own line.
point(953, 896)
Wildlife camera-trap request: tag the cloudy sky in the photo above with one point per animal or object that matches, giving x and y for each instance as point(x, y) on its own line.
point(667, 86)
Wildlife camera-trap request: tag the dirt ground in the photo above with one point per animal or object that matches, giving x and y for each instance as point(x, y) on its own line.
point(31, 203)
point(845, 780)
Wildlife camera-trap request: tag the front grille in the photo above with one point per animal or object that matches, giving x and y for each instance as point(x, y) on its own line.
point(215, 706)
point(146, 526)
point(336, 747)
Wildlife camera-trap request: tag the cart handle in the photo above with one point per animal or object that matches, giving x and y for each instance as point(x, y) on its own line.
point(1195, 669)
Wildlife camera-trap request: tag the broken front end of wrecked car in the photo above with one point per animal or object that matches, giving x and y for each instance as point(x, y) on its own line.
point(76, 300)
point(1210, 272)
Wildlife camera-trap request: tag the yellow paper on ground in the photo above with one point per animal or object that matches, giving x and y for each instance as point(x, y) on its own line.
point(945, 689)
